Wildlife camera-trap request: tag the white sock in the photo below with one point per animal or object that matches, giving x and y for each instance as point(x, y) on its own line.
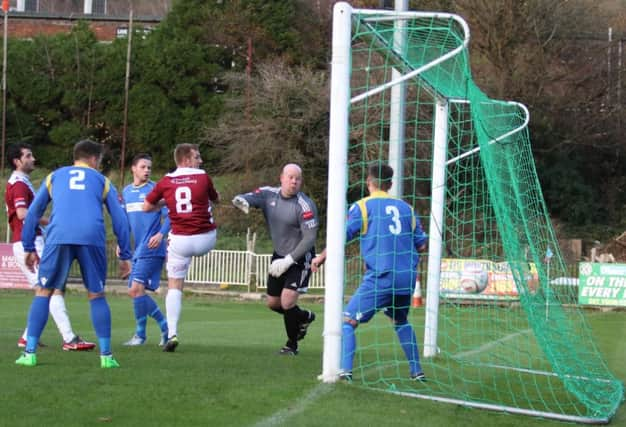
point(59, 314)
point(173, 306)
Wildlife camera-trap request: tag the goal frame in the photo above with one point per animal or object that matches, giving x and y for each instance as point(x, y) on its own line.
point(341, 101)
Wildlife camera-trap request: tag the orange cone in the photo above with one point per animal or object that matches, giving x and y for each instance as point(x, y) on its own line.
point(417, 294)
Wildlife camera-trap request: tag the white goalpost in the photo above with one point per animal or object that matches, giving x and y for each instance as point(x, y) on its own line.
point(402, 93)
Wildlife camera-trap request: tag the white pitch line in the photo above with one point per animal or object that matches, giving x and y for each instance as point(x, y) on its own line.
point(280, 417)
point(489, 345)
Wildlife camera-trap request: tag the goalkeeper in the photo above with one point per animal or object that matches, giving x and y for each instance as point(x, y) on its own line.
point(391, 237)
point(293, 223)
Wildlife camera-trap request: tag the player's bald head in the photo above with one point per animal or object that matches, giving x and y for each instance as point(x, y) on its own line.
point(290, 180)
point(291, 168)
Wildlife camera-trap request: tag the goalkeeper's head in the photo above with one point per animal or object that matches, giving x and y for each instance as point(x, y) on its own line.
point(379, 177)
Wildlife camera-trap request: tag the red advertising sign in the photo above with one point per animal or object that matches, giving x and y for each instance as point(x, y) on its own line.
point(10, 274)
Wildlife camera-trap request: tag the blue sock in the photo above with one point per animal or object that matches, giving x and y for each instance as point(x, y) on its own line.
point(141, 315)
point(101, 319)
point(406, 335)
point(349, 345)
point(153, 310)
point(37, 319)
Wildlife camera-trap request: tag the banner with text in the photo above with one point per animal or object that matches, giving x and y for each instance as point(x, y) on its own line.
point(482, 279)
point(10, 274)
point(602, 284)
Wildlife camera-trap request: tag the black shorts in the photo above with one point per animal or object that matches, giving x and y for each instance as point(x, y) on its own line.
point(295, 278)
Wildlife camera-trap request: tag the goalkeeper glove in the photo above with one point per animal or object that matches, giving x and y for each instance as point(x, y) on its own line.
point(242, 204)
point(279, 266)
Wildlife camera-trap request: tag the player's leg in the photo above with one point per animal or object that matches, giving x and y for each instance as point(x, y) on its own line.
point(31, 277)
point(152, 308)
point(37, 318)
point(136, 290)
point(53, 269)
point(177, 266)
point(398, 312)
point(297, 278)
point(275, 303)
point(360, 309)
point(137, 293)
point(93, 265)
point(296, 282)
point(179, 253)
point(58, 311)
point(291, 318)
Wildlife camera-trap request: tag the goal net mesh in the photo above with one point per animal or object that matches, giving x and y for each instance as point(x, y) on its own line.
point(522, 341)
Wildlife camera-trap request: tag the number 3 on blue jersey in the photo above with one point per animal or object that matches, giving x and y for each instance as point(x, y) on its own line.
point(396, 227)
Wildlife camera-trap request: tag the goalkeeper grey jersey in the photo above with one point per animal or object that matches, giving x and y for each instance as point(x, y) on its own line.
point(292, 222)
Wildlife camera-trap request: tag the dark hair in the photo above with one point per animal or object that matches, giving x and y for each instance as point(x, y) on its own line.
point(86, 149)
point(140, 156)
point(382, 174)
point(183, 151)
point(14, 152)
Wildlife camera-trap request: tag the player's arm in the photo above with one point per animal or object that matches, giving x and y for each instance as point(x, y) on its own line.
point(214, 196)
point(309, 225)
point(21, 194)
point(31, 222)
point(318, 261)
point(154, 200)
point(167, 224)
point(420, 238)
point(150, 207)
point(119, 220)
point(21, 213)
point(156, 239)
point(121, 228)
point(255, 199)
point(354, 223)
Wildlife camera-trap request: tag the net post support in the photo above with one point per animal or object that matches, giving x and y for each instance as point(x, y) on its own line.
point(334, 273)
point(396, 109)
point(435, 233)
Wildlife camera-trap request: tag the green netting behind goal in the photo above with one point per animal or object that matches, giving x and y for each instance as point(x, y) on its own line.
point(522, 345)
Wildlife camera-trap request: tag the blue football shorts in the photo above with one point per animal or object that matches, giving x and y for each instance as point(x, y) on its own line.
point(56, 261)
point(147, 271)
point(379, 293)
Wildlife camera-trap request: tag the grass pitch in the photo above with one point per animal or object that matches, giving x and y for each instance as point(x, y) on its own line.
point(225, 373)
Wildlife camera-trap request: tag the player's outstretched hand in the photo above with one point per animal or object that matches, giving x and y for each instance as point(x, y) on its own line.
point(31, 259)
point(242, 204)
point(279, 266)
point(123, 267)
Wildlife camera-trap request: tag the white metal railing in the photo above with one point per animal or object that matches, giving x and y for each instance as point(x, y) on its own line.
point(217, 267)
point(242, 268)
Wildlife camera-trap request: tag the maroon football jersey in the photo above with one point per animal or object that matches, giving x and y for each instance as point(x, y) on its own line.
point(19, 194)
point(188, 193)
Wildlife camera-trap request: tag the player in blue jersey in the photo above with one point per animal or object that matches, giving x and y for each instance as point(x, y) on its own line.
point(76, 231)
point(391, 237)
point(150, 248)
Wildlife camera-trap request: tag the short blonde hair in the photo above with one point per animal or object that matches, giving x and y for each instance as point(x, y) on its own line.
point(183, 151)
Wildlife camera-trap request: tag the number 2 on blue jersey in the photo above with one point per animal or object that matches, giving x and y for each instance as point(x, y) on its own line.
point(77, 179)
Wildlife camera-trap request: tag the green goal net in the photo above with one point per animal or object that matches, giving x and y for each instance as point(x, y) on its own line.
point(510, 338)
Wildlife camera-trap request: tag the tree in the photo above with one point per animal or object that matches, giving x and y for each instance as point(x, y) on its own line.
point(287, 122)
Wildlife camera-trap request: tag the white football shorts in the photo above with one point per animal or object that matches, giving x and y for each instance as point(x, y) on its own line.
point(181, 248)
point(18, 253)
